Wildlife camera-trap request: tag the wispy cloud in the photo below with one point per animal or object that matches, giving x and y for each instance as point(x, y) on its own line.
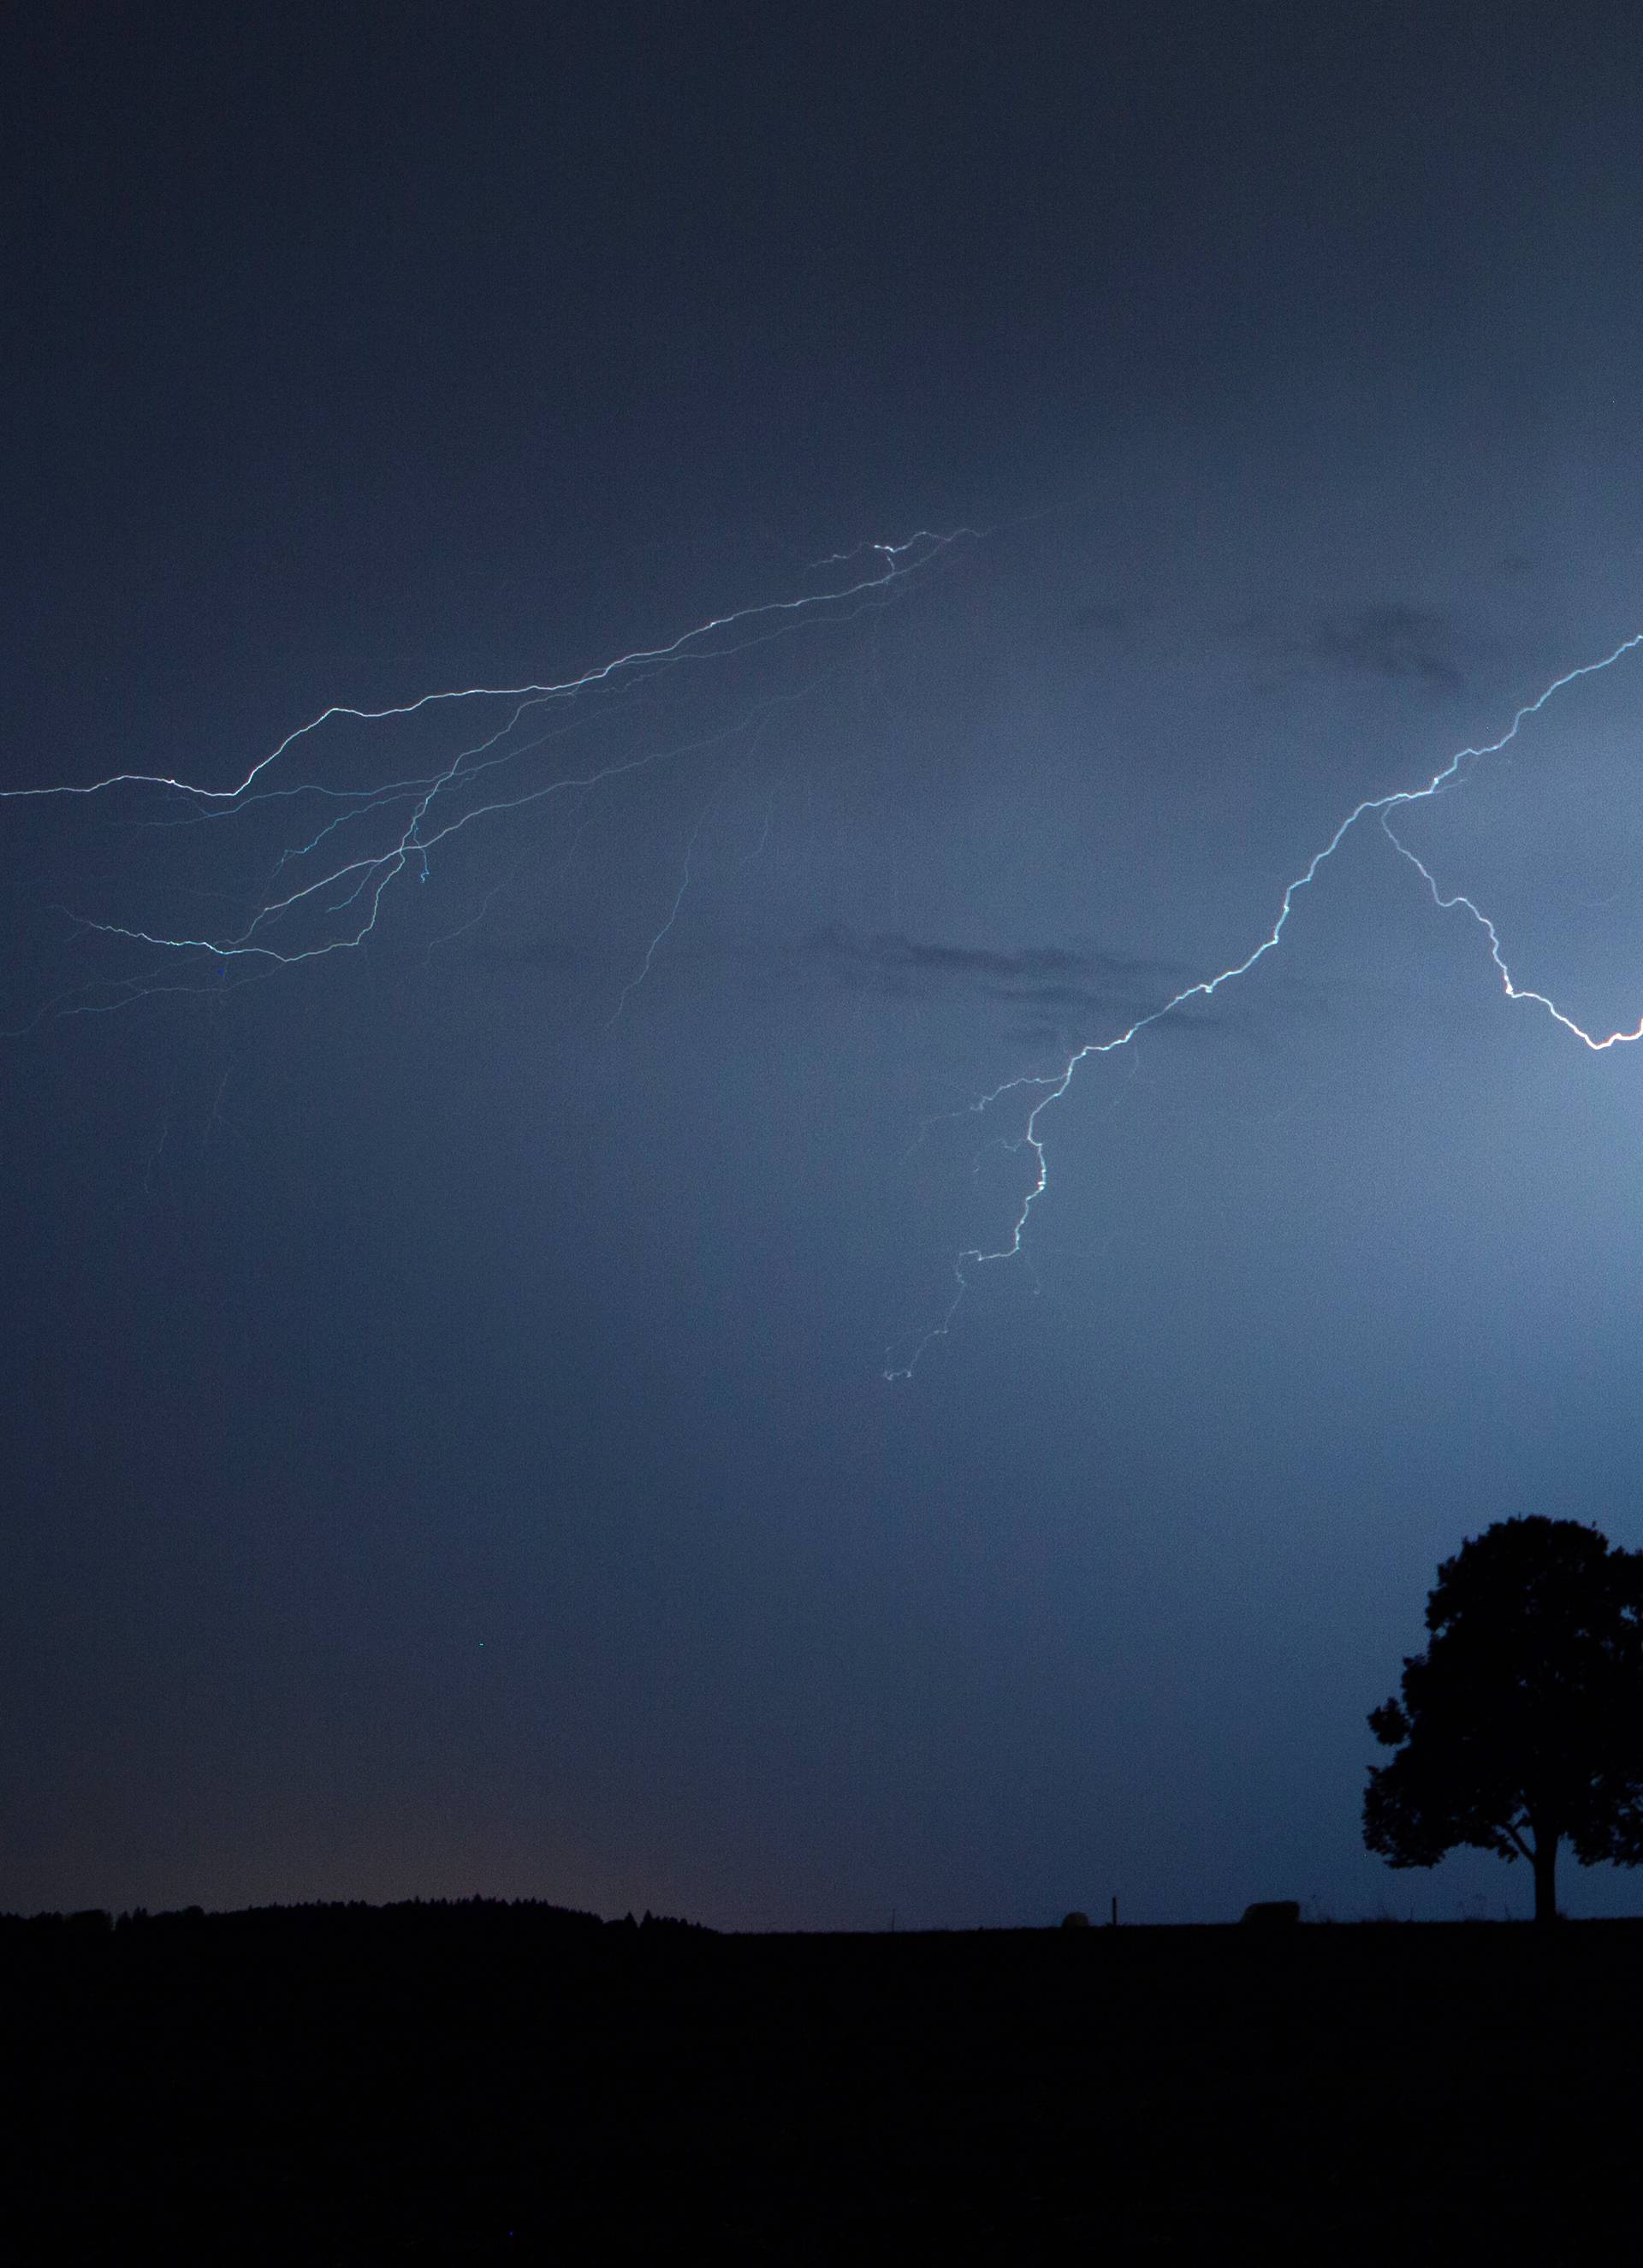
point(1391, 640)
point(1065, 989)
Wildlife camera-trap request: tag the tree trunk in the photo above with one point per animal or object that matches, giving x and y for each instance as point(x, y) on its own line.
point(1545, 1879)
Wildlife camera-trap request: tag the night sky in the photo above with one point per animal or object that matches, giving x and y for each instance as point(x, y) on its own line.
point(447, 1442)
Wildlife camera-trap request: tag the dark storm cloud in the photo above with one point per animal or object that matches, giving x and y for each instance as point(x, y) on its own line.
point(895, 954)
point(919, 962)
point(1390, 639)
point(1065, 988)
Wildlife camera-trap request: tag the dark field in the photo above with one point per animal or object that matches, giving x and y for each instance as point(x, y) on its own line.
point(477, 2083)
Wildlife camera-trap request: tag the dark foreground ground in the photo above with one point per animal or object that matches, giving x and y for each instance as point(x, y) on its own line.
point(471, 2083)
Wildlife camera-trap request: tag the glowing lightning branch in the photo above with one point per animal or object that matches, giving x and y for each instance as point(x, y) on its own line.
point(896, 560)
point(665, 930)
point(1051, 1086)
point(338, 890)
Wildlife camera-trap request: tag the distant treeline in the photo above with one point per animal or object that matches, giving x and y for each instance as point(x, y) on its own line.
point(404, 1919)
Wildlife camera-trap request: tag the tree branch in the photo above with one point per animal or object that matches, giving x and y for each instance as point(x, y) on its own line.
point(1525, 1850)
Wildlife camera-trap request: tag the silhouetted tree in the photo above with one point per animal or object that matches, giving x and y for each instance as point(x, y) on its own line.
point(1521, 1725)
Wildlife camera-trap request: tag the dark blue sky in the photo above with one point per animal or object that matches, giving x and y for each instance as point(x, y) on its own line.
point(446, 1446)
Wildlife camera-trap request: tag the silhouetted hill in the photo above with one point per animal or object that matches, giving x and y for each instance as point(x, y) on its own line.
point(479, 2080)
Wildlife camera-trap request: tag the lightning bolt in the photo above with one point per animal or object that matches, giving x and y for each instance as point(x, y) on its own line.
point(1051, 1086)
point(896, 560)
point(341, 892)
point(337, 887)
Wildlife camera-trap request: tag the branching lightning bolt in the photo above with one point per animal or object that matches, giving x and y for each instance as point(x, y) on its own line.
point(1051, 1086)
point(332, 887)
point(896, 560)
point(339, 892)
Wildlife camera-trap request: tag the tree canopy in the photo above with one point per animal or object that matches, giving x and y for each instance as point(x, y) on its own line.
point(1520, 1726)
